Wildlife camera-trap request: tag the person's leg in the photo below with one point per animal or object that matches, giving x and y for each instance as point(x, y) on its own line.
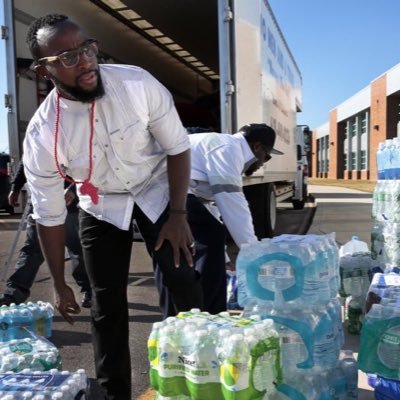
point(179, 288)
point(210, 239)
point(107, 252)
point(29, 260)
point(73, 244)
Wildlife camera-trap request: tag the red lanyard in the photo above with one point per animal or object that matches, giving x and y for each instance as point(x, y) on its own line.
point(86, 188)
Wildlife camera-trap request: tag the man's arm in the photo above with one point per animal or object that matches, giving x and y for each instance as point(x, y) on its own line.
point(176, 229)
point(52, 241)
point(16, 185)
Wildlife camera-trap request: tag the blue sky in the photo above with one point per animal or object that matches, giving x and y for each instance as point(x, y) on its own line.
point(340, 46)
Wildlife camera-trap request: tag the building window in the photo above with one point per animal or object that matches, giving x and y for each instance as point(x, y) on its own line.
point(353, 161)
point(363, 156)
point(345, 161)
point(326, 166)
point(354, 127)
point(364, 124)
point(346, 131)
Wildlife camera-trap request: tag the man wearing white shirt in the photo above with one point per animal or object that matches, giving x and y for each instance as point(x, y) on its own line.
point(114, 130)
point(216, 196)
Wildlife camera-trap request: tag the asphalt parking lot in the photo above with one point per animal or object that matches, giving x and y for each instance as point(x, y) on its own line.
point(339, 210)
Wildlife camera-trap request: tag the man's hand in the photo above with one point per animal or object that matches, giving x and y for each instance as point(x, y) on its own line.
point(69, 196)
point(13, 198)
point(66, 304)
point(176, 230)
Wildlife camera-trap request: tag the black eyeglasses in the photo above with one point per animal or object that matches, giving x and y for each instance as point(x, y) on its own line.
point(266, 150)
point(70, 58)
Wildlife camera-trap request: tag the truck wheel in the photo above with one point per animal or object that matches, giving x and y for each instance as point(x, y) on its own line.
point(270, 207)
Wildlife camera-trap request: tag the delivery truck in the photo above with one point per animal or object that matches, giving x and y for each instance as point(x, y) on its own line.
point(226, 63)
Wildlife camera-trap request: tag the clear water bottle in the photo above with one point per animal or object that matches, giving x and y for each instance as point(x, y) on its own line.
point(396, 157)
point(152, 351)
point(349, 367)
point(355, 245)
point(7, 331)
point(388, 159)
point(296, 336)
point(354, 314)
point(235, 374)
point(23, 322)
point(326, 350)
point(317, 274)
point(47, 312)
point(395, 208)
point(380, 160)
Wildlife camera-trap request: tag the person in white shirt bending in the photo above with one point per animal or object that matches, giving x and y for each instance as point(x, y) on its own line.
point(115, 131)
point(216, 195)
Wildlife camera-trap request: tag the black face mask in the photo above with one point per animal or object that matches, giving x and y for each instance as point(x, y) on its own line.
point(79, 94)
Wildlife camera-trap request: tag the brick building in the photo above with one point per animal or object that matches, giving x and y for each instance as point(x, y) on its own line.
point(345, 147)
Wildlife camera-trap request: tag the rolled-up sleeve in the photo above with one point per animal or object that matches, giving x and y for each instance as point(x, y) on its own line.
point(165, 124)
point(45, 184)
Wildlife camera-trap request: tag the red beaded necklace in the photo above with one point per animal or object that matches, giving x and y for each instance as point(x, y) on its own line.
point(86, 187)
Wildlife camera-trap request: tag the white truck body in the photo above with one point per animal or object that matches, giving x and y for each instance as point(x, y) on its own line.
point(196, 49)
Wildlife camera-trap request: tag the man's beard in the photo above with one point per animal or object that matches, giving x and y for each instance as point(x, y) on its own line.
point(79, 94)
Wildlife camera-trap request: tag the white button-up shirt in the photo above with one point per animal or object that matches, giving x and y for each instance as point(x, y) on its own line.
point(135, 127)
point(218, 162)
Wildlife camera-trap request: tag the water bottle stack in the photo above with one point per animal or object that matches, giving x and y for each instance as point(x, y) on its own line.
point(18, 321)
point(50, 385)
point(380, 336)
point(29, 363)
point(386, 205)
point(221, 357)
point(382, 303)
point(294, 280)
point(356, 265)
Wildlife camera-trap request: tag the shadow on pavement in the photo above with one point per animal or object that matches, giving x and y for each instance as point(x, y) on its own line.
point(70, 338)
point(143, 307)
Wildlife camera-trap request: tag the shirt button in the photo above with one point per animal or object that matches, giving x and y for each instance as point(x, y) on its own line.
point(106, 145)
point(96, 120)
point(117, 169)
point(128, 183)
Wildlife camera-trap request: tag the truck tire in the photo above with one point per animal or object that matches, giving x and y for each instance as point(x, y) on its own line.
point(270, 208)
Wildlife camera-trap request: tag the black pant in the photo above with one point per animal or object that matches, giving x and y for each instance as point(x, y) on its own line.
point(31, 258)
point(209, 260)
point(107, 252)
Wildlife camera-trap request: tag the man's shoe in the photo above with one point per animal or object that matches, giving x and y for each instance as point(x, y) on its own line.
point(86, 300)
point(6, 300)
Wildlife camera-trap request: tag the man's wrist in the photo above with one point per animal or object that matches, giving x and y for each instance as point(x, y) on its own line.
point(177, 211)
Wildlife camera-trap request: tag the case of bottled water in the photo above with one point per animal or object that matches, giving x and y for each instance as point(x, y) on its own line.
point(19, 321)
point(294, 281)
point(52, 385)
point(291, 270)
point(221, 357)
point(385, 389)
point(35, 353)
point(385, 231)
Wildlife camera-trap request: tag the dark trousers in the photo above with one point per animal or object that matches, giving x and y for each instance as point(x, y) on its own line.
point(107, 252)
point(30, 258)
point(209, 260)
